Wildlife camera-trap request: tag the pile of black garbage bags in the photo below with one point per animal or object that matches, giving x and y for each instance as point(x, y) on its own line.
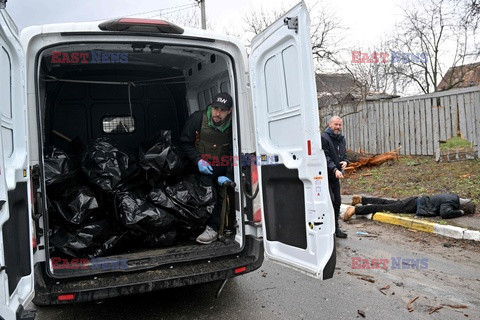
point(110, 201)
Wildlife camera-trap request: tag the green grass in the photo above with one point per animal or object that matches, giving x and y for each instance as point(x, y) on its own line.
point(455, 143)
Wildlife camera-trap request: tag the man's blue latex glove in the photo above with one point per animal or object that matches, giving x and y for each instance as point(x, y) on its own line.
point(223, 179)
point(204, 167)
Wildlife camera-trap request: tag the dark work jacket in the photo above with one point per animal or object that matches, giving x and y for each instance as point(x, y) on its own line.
point(335, 150)
point(188, 140)
point(446, 205)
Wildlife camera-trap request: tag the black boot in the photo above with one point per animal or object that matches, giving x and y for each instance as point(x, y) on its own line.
point(339, 233)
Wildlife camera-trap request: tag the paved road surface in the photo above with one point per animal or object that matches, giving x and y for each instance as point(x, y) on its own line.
point(451, 277)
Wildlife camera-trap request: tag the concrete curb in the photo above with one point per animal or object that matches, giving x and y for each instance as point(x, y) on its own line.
point(424, 226)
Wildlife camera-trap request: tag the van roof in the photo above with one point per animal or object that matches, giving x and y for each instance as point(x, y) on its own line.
point(92, 26)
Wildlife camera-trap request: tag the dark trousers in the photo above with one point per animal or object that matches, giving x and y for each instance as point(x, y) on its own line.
point(334, 186)
point(372, 205)
point(214, 220)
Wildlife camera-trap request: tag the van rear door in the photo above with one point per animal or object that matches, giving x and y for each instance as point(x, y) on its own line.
point(16, 270)
point(298, 218)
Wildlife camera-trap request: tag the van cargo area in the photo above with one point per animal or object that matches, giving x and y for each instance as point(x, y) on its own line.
point(116, 193)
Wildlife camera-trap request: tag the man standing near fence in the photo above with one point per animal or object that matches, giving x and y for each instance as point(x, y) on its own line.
point(334, 146)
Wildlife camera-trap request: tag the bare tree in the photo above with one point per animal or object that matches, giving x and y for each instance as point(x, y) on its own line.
point(372, 69)
point(470, 20)
point(433, 36)
point(324, 29)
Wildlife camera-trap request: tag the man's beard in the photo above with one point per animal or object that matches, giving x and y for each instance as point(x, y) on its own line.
point(219, 123)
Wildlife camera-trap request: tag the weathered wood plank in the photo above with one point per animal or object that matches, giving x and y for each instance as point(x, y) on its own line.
point(423, 128)
point(454, 114)
point(387, 124)
point(380, 128)
point(448, 120)
point(429, 126)
point(365, 128)
point(469, 116)
point(411, 124)
point(441, 120)
point(476, 112)
point(354, 136)
point(436, 131)
point(396, 125)
point(372, 126)
point(462, 115)
point(418, 127)
point(401, 127)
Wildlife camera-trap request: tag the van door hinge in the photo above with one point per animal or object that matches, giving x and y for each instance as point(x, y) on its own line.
point(292, 23)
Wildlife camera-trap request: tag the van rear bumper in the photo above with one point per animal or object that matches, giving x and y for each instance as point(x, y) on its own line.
point(164, 277)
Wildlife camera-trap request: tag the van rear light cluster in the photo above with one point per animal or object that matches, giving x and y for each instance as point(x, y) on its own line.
point(140, 25)
point(66, 297)
point(240, 270)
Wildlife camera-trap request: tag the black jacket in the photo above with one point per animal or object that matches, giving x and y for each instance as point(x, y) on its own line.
point(335, 150)
point(446, 205)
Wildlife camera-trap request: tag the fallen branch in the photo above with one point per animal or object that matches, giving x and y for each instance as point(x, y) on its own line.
point(362, 276)
point(361, 160)
point(409, 304)
point(356, 274)
point(434, 309)
point(368, 278)
point(385, 288)
point(455, 306)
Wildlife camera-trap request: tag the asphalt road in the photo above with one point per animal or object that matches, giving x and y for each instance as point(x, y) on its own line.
point(447, 277)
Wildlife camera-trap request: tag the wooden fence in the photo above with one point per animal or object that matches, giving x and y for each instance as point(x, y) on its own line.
point(417, 124)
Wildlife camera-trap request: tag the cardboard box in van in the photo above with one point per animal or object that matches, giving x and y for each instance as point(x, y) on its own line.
point(85, 105)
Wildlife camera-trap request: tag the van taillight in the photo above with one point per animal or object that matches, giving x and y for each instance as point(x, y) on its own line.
point(66, 297)
point(257, 209)
point(140, 25)
point(240, 270)
point(34, 243)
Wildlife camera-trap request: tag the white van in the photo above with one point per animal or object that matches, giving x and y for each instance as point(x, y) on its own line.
point(73, 81)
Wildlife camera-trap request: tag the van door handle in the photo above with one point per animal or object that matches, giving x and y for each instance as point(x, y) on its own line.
point(2, 202)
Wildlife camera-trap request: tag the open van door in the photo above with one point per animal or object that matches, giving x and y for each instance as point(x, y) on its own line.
point(16, 270)
point(298, 218)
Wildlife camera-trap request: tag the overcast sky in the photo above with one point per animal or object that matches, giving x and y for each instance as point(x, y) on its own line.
point(367, 20)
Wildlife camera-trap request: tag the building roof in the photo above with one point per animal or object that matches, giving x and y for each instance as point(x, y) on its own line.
point(336, 88)
point(461, 77)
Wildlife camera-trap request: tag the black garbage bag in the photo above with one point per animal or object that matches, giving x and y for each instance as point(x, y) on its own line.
point(135, 213)
point(163, 160)
point(58, 167)
point(162, 137)
point(104, 164)
point(160, 240)
point(76, 204)
point(190, 200)
point(89, 240)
